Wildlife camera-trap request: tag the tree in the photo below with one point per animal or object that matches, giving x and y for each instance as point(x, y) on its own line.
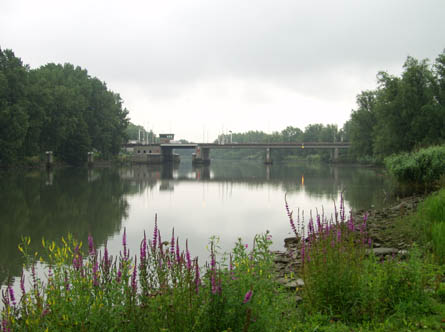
point(13, 107)
point(361, 125)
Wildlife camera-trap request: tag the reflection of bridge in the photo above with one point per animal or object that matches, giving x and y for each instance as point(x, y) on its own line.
point(202, 150)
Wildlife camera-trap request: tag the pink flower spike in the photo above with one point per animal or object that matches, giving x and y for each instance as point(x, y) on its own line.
point(124, 243)
point(187, 255)
point(172, 243)
point(248, 296)
point(155, 232)
point(91, 250)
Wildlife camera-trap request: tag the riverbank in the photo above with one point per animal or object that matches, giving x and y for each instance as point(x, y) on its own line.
point(389, 231)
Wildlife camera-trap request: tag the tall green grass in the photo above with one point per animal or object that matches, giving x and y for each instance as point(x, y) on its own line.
point(430, 221)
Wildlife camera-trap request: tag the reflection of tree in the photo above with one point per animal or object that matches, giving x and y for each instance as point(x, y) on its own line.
point(362, 187)
point(70, 205)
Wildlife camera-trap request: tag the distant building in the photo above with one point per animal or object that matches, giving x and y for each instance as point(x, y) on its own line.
point(166, 138)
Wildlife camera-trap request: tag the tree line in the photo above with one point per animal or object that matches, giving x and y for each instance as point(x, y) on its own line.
point(312, 133)
point(402, 114)
point(56, 107)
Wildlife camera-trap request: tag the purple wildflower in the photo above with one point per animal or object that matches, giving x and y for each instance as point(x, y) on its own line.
point(172, 243)
point(342, 208)
point(169, 264)
point(5, 325)
point(178, 252)
point(248, 296)
point(289, 214)
point(11, 296)
point(155, 233)
point(95, 273)
point(160, 241)
point(106, 258)
point(197, 276)
point(187, 255)
point(143, 248)
point(124, 243)
point(213, 270)
point(34, 277)
point(77, 260)
point(133, 276)
point(45, 311)
point(302, 252)
point(22, 284)
point(91, 250)
point(311, 226)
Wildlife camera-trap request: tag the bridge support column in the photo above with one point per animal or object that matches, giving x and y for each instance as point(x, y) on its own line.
point(90, 159)
point(49, 159)
point(166, 155)
point(335, 154)
point(268, 160)
point(202, 172)
point(201, 156)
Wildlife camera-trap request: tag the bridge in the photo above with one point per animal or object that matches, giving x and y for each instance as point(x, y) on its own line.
point(202, 150)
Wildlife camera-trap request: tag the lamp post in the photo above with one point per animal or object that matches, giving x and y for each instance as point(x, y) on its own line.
point(230, 136)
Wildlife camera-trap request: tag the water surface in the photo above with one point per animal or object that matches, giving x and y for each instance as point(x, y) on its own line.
point(228, 199)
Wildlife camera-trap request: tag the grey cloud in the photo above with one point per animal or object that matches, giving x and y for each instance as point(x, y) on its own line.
point(307, 46)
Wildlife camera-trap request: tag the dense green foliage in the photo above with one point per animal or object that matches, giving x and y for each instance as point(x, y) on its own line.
point(58, 108)
point(312, 133)
point(422, 166)
point(403, 113)
point(430, 223)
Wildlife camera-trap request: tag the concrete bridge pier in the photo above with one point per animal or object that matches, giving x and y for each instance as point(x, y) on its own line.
point(268, 160)
point(166, 155)
point(334, 154)
point(201, 156)
point(202, 172)
point(90, 159)
point(49, 159)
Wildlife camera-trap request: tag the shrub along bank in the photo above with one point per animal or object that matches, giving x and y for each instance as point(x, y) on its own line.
point(423, 166)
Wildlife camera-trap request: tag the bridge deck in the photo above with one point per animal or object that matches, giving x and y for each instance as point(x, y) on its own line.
point(295, 145)
point(305, 145)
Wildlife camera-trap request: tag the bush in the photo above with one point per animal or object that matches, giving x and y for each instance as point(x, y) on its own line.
point(344, 280)
point(424, 166)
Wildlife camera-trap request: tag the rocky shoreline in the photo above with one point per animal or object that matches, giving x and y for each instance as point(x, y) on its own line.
point(384, 232)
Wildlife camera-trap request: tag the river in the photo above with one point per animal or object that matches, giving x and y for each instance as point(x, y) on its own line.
point(228, 199)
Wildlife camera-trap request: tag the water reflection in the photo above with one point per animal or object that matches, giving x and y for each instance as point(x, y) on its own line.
point(230, 199)
point(50, 205)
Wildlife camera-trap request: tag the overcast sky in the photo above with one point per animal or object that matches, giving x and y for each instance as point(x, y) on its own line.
point(200, 67)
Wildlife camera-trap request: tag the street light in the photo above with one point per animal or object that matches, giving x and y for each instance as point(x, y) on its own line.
point(230, 136)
